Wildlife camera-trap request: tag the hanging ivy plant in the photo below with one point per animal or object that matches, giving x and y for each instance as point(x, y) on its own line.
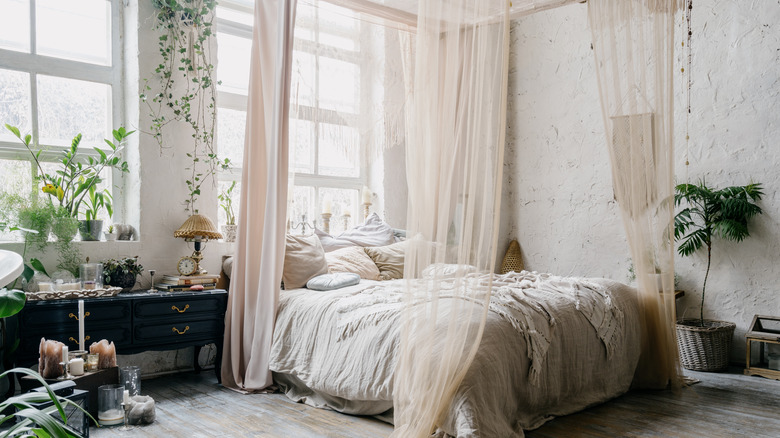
point(187, 90)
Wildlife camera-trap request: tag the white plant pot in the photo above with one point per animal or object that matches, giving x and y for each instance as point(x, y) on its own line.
point(110, 237)
point(229, 233)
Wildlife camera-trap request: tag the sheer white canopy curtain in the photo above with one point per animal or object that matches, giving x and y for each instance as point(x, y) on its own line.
point(633, 43)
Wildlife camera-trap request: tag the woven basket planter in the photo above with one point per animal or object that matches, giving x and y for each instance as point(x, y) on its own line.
point(704, 348)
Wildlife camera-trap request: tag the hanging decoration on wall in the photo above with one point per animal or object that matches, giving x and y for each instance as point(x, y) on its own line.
point(686, 74)
point(183, 89)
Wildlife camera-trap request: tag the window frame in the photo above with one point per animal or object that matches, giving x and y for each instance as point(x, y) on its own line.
point(35, 64)
point(238, 102)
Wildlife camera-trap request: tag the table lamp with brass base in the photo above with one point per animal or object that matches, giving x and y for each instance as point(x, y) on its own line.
point(197, 229)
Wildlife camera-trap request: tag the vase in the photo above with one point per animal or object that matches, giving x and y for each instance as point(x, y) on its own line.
point(90, 230)
point(110, 237)
point(125, 281)
point(229, 232)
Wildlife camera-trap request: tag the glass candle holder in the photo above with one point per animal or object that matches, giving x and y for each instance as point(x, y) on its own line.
point(92, 362)
point(130, 377)
point(110, 399)
point(91, 275)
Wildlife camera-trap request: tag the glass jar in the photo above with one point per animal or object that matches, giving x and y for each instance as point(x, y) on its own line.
point(110, 398)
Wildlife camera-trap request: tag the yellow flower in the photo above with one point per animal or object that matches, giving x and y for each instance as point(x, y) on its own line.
point(51, 189)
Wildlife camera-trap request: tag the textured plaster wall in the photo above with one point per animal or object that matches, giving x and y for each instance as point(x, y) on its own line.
point(558, 196)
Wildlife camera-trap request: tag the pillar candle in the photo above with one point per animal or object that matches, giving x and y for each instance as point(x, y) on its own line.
point(82, 345)
point(366, 195)
point(328, 206)
point(64, 354)
point(77, 366)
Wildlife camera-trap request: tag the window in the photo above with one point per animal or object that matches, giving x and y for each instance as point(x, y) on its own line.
point(60, 74)
point(325, 141)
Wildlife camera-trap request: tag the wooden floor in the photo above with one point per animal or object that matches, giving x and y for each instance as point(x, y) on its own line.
point(722, 405)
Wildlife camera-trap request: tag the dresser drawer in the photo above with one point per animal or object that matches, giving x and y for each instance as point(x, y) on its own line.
point(65, 314)
point(183, 306)
point(181, 330)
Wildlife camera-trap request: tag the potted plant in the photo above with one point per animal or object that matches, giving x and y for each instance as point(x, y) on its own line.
point(91, 227)
point(110, 235)
point(226, 202)
point(121, 273)
point(704, 344)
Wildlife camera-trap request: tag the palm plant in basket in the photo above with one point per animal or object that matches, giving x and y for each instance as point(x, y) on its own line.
point(710, 213)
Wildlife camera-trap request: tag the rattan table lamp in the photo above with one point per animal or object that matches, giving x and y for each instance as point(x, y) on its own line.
point(197, 229)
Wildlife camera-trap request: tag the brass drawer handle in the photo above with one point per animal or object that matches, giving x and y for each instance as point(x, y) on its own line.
point(71, 315)
point(181, 332)
point(75, 341)
point(180, 310)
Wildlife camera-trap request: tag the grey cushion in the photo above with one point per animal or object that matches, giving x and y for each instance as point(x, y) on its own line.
point(333, 281)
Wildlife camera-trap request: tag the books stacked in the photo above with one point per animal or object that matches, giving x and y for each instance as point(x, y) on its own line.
point(173, 283)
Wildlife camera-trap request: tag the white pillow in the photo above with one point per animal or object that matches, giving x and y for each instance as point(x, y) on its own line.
point(303, 260)
point(389, 259)
point(352, 259)
point(373, 232)
point(447, 270)
point(333, 281)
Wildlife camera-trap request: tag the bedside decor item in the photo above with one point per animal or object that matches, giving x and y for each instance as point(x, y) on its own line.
point(92, 362)
point(106, 351)
point(125, 232)
point(226, 202)
point(151, 284)
point(140, 409)
point(704, 344)
point(110, 399)
point(91, 275)
point(197, 229)
point(51, 353)
point(513, 259)
point(73, 294)
point(764, 330)
point(122, 272)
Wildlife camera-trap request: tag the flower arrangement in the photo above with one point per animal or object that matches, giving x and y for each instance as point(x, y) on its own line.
point(226, 202)
point(121, 272)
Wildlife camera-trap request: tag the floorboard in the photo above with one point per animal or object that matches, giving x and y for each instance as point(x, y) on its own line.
point(722, 405)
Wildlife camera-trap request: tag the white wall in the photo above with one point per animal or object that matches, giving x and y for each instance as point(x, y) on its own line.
point(558, 196)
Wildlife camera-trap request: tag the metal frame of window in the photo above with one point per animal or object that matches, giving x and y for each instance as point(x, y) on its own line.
point(36, 64)
point(235, 101)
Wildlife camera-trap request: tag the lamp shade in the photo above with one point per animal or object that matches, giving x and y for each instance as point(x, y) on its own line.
point(198, 225)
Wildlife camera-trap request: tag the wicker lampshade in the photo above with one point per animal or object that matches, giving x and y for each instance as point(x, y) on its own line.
point(198, 225)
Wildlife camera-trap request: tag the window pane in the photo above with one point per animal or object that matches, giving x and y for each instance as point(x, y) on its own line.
point(303, 204)
point(15, 25)
point(342, 201)
point(67, 107)
point(14, 103)
point(302, 145)
point(339, 85)
point(241, 17)
point(233, 56)
point(231, 126)
point(303, 74)
point(338, 151)
point(15, 186)
point(74, 29)
point(105, 183)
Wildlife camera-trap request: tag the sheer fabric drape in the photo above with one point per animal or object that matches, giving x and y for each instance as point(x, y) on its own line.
point(454, 157)
point(259, 255)
point(633, 47)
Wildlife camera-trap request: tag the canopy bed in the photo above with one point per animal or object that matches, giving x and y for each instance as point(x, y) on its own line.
point(434, 340)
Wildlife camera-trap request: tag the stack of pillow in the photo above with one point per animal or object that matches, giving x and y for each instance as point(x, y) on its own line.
point(370, 251)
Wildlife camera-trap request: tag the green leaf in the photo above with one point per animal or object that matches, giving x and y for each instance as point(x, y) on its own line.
point(14, 130)
point(11, 302)
point(38, 266)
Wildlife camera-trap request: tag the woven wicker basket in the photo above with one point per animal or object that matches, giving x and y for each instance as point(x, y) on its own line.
point(704, 348)
point(513, 260)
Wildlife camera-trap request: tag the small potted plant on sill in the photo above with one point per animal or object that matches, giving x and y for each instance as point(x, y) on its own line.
point(121, 273)
point(226, 202)
point(110, 235)
point(704, 344)
point(91, 227)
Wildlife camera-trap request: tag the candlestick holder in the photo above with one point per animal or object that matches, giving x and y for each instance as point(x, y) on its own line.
point(302, 225)
point(152, 272)
point(326, 222)
point(366, 209)
point(346, 218)
point(65, 370)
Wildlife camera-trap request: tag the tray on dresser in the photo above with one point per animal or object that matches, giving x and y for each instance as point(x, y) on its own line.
point(73, 294)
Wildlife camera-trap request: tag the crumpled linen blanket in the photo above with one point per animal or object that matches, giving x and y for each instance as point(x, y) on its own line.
point(551, 346)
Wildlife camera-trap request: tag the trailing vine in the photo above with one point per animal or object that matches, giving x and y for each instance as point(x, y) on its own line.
point(187, 90)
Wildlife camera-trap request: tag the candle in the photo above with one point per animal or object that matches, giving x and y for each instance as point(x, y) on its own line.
point(366, 195)
point(69, 286)
point(44, 286)
point(126, 397)
point(82, 345)
point(346, 212)
point(92, 361)
point(77, 366)
point(327, 206)
point(64, 354)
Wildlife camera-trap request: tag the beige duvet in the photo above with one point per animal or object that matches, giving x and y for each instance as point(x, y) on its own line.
point(552, 346)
